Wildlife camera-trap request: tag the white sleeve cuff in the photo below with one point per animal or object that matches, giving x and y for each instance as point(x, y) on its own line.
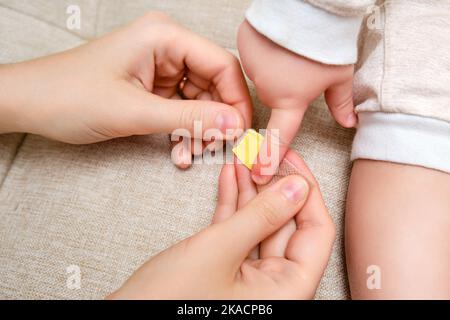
point(307, 30)
point(402, 138)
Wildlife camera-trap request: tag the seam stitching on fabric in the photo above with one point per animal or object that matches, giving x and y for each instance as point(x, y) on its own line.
point(385, 53)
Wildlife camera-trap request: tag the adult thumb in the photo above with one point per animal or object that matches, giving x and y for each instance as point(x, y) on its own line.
point(261, 217)
point(192, 117)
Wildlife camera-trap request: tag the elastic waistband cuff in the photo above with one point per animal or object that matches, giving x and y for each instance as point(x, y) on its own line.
point(405, 139)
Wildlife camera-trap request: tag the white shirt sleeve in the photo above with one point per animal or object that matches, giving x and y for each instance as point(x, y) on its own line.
point(307, 30)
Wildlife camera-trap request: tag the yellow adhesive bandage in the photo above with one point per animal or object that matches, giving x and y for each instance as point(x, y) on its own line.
point(248, 147)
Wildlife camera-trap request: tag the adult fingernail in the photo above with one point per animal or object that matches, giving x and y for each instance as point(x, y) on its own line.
point(225, 121)
point(295, 190)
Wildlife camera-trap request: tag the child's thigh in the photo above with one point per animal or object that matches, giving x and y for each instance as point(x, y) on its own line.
point(398, 232)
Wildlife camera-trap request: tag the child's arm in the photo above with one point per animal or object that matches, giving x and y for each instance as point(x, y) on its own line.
point(398, 220)
point(399, 214)
point(294, 51)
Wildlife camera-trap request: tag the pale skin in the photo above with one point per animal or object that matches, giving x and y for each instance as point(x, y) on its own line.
point(221, 263)
point(397, 215)
point(108, 90)
point(398, 218)
point(129, 83)
point(287, 83)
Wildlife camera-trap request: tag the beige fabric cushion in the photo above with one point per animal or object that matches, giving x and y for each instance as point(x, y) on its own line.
point(9, 144)
point(109, 207)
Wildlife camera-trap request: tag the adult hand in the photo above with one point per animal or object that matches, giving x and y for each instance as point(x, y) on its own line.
point(217, 264)
point(127, 83)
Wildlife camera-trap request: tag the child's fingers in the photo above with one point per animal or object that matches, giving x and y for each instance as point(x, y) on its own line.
point(282, 129)
point(228, 194)
point(339, 98)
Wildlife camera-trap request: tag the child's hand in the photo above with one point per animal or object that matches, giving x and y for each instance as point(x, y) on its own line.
point(288, 83)
point(215, 264)
point(124, 84)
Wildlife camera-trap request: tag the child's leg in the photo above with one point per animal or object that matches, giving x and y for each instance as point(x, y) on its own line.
point(398, 219)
